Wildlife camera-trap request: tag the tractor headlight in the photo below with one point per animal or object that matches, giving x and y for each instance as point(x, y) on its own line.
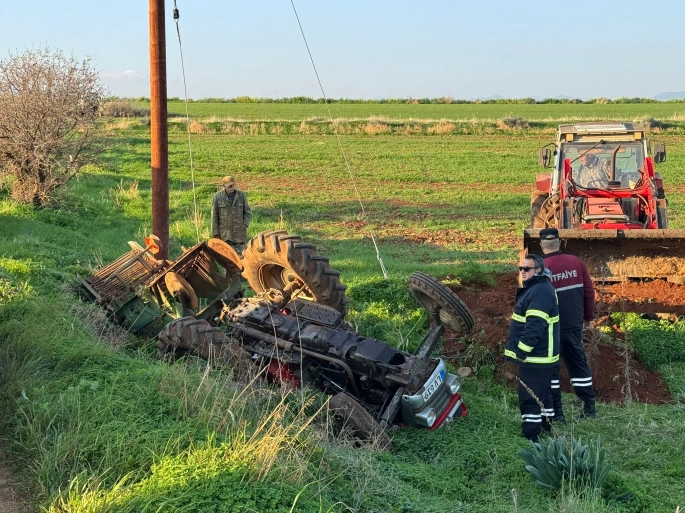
point(454, 387)
point(430, 417)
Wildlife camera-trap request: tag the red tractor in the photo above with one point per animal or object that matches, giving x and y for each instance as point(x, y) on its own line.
point(608, 203)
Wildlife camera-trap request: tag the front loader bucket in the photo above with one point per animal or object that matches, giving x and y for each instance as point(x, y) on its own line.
point(622, 255)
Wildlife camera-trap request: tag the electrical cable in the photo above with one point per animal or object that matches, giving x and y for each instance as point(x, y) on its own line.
point(196, 217)
point(342, 150)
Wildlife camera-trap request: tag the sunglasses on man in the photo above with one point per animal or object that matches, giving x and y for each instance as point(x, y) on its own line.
point(525, 268)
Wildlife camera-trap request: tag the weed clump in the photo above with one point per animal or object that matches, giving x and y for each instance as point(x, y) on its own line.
point(512, 122)
point(442, 127)
point(648, 122)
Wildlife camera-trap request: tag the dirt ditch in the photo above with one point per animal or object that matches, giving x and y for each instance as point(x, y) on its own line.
point(616, 374)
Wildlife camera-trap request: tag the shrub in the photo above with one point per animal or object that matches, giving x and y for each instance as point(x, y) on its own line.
point(512, 122)
point(121, 109)
point(648, 122)
point(556, 462)
point(48, 107)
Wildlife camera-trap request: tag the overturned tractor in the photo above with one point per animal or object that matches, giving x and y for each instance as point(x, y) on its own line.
point(293, 330)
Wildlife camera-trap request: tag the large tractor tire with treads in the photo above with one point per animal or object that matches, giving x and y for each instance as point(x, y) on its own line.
point(442, 302)
point(540, 216)
point(197, 337)
point(349, 413)
point(274, 259)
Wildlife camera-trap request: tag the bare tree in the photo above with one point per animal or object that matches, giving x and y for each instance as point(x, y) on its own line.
point(48, 108)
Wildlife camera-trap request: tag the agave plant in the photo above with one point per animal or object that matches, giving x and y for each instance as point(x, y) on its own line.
point(555, 461)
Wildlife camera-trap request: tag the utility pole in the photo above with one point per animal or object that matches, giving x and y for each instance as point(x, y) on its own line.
point(159, 133)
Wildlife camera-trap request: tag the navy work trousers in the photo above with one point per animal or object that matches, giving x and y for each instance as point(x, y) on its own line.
point(573, 354)
point(535, 400)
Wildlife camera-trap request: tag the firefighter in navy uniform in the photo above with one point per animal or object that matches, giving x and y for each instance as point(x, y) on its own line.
point(533, 344)
point(576, 309)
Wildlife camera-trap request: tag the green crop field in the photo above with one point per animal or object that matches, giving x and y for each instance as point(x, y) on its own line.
point(93, 422)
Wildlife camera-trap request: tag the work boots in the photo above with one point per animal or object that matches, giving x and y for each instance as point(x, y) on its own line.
point(559, 414)
point(588, 410)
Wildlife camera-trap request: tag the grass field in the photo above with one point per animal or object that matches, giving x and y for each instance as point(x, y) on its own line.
point(93, 426)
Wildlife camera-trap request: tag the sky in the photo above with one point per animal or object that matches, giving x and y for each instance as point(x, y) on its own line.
point(369, 48)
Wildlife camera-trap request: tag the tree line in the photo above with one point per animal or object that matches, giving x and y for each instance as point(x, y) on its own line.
point(443, 100)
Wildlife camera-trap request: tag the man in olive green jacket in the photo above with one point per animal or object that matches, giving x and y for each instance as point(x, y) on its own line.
point(231, 215)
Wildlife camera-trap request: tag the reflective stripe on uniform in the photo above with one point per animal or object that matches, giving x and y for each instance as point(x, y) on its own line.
point(532, 417)
point(524, 347)
point(538, 313)
point(542, 359)
point(581, 382)
point(571, 287)
point(550, 337)
point(517, 317)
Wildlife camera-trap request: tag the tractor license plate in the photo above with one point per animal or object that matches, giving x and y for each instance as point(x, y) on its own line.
point(433, 386)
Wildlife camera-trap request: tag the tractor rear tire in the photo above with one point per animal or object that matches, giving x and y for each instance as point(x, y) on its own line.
point(538, 210)
point(274, 259)
point(441, 301)
point(661, 215)
point(348, 412)
point(197, 337)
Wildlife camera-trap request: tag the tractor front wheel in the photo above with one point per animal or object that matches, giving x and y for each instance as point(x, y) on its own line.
point(440, 301)
point(349, 413)
point(188, 335)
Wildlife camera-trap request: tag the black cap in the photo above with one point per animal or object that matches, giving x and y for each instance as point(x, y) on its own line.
point(549, 234)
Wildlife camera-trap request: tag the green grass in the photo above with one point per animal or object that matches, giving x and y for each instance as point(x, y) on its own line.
point(106, 427)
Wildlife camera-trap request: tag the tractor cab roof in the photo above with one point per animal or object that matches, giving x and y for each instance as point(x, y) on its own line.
point(596, 130)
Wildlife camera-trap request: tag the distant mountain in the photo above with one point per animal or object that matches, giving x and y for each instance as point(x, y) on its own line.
point(662, 97)
point(485, 98)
